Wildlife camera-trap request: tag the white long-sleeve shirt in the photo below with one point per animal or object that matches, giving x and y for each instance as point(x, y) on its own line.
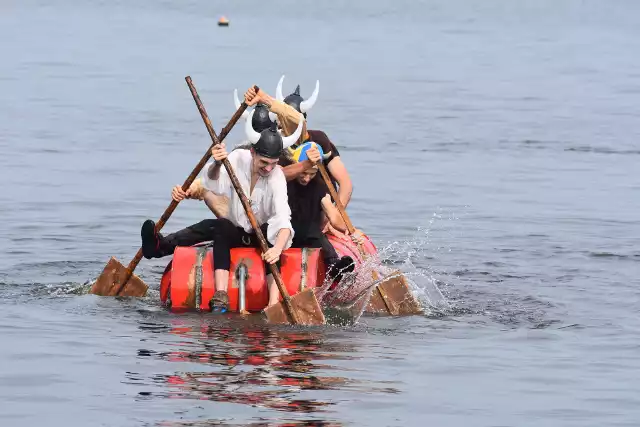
point(269, 200)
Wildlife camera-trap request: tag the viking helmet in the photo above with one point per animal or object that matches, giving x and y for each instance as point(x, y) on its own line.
point(297, 101)
point(300, 153)
point(270, 143)
point(261, 119)
point(264, 118)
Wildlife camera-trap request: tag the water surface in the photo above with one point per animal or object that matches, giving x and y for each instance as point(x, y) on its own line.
point(493, 147)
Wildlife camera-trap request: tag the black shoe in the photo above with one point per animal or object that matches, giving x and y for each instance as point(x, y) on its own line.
point(220, 302)
point(340, 267)
point(150, 240)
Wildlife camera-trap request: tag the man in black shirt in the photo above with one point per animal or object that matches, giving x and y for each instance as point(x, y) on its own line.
point(310, 203)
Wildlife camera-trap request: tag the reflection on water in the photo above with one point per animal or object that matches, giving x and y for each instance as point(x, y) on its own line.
point(291, 423)
point(236, 361)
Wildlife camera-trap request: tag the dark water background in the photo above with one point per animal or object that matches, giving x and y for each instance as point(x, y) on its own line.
point(493, 144)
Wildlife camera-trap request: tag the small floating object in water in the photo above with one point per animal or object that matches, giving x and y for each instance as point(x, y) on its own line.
point(223, 22)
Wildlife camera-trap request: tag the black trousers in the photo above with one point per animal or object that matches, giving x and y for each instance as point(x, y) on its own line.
point(205, 231)
point(227, 236)
point(319, 240)
point(192, 235)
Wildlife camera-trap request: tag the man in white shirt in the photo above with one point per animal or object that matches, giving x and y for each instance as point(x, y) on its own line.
point(155, 245)
point(265, 186)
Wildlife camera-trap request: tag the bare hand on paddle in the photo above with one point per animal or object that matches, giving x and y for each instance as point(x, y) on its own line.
point(330, 229)
point(251, 97)
point(357, 237)
point(272, 255)
point(219, 152)
point(195, 191)
point(313, 154)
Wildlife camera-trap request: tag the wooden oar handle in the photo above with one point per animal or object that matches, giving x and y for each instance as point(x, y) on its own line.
point(192, 177)
point(334, 195)
point(245, 204)
point(339, 205)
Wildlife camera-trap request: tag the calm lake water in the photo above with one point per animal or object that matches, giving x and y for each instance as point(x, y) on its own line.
point(494, 149)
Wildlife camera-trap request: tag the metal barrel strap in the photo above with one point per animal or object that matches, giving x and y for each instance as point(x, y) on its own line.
point(242, 273)
point(168, 301)
point(303, 273)
point(201, 253)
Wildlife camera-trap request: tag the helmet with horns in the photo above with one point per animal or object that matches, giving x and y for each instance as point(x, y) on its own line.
point(269, 142)
point(263, 117)
point(297, 101)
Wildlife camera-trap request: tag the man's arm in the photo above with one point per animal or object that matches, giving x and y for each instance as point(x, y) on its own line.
point(213, 179)
point(288, 116)
point(282, 239)
point(219, 205)
point(279, 230)
point(280, 215)
point(195, 191)
point(339, 172)
point(214, 171)
point(273, 254)
point(294, 170)
point(333, 214)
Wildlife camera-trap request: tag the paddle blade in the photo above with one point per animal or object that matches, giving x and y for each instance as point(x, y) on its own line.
point(305, 307)
point(108, 283)
point(399, 299)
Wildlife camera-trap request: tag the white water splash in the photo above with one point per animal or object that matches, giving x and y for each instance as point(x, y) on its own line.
point(349, 299)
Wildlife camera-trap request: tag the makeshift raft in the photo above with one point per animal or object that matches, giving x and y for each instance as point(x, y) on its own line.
point(187, 282)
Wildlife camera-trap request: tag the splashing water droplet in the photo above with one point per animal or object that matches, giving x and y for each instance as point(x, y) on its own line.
point(347, 301)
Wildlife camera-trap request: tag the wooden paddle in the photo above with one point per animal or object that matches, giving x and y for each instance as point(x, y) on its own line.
point(116, 279)
point(394, 294)
point(302, 308)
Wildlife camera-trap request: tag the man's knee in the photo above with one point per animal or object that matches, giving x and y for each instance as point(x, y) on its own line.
point(204, 228)
point(208, 224)
point(222, 228)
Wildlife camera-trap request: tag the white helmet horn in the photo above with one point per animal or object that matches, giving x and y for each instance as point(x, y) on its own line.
point(237, 102)
point(279, 95)
point(307, 105)
point(252, 135)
